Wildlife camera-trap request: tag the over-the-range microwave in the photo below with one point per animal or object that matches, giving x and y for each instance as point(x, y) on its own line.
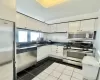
point(82, 35)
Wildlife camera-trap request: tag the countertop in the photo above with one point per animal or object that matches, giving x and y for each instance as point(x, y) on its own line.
point(39, 45)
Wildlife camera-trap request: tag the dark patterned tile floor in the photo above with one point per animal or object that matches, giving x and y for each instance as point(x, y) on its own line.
point(30, 73)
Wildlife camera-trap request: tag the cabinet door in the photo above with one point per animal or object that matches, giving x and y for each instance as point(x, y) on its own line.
point(74, 26)
point(32, 24)
point(53, 28)
point(46, 28)
point(20, 20)
point(63, 27)
point(8, 10)
point(87, 25)
point(43, 52)
point(54, 50)
point(43, 27)
point(60, 51)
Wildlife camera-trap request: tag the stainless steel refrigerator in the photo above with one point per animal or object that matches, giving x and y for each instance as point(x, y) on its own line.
point(7, 50)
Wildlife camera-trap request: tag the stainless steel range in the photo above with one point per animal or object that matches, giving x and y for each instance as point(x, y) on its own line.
point(75, 51)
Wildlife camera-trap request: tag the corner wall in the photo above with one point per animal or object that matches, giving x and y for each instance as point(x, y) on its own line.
point(97, 44)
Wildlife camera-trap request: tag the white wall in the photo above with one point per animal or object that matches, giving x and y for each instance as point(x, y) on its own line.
point(97, 43)
point(58, 37)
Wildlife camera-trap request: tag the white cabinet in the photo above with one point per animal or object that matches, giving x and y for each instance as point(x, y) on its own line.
point(63, 27)
point(9, 3)
point(57, 51)
point(74, 26)
point(21, 21)
point(6, 12)
point(31, 24)
point(43, 52)
point(88, 25)
point(90, 68)
point(45, 28)
point(53, 28)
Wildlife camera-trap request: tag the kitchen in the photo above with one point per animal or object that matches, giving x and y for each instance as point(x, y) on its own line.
point(52, 45)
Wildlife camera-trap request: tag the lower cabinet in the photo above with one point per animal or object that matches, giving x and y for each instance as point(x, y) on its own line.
point(43, 52)
point(56, 51)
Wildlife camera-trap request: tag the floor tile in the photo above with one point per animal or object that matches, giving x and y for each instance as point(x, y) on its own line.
point(42, 75)
point(48, 71)
point(74, 78)
point(65, 77)
point(21, 74)
point(35, 72)
point(36, 78)
point(56, 74)
point(47, 64)
point(60, 68)
point(27, 77)
point(51, 78)
point(69, 68)
point(68, 72)
point(77, 75)
point(54, 65)
point(78, 70)
point(30, 68)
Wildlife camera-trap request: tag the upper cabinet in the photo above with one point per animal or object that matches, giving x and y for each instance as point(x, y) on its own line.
point(21, 21)
point(74, 26)
point(88, 25)
point(32, 24)
point(9, 3)
point(85, 25)
point(63, 27)
point(45, 28)
point(53, 28)
point(8, 10)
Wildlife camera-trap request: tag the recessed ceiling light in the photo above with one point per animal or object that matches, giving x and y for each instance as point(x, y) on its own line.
point(50, 3)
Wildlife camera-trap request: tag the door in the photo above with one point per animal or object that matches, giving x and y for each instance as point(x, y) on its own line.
point(88, 25)
point(74, 26)
point(6, 50)
point(63, 27)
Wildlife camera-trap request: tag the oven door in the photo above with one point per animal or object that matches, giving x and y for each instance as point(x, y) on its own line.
point(75, 56)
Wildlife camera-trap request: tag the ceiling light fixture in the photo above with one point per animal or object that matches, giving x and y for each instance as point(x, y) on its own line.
point(50, 3)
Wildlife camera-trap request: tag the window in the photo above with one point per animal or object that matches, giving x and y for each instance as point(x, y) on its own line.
point(22, 36)
point(34, 36)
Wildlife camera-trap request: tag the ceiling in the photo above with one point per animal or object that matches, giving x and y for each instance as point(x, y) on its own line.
point(66, 9)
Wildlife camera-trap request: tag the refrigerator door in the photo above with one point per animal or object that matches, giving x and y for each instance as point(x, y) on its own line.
point(6, 50)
